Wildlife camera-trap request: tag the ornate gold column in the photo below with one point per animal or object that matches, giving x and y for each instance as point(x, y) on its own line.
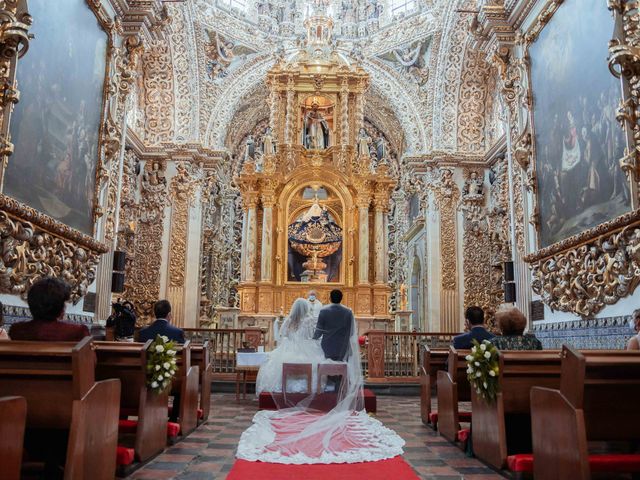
point(183, 191)
point(344, 111)
point(243, 246)
point(446, 194)
point(251, 239)
point(289, 130)
point(268, 201)
point(362, 203)
point(381, 203)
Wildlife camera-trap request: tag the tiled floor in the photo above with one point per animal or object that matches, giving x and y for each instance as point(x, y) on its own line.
point(208, 453)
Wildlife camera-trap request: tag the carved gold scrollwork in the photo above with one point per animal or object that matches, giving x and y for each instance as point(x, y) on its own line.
point(590, 276)
point(29, 253)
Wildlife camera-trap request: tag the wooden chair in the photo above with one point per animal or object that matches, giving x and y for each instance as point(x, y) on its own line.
point(186, 385)
point(128, 363)
point(597, 401)
point(13, 417)
point(200, 358)
point(433, 361)
point(333, 369)
point(504, 427)
point(453, 387)
point(57, 381)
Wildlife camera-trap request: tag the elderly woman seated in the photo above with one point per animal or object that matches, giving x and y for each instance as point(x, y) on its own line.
point(512, 323)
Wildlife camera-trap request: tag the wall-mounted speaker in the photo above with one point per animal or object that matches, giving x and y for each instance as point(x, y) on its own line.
point(117, 277)
point(117, 282)
point(509, 292)
point(508, 271)
point(119, 260)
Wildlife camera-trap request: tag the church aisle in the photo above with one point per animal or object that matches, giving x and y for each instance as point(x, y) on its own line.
point(208, 453)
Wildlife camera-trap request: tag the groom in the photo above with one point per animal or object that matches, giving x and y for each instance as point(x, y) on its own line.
point(334, 326)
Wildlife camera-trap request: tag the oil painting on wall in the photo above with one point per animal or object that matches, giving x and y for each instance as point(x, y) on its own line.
point(578, 141)
point(55, 126)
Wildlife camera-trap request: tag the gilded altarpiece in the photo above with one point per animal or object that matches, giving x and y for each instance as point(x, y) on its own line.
point(310, 201)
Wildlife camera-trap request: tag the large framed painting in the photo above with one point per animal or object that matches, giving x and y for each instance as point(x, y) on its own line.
point(56, 125)
point(578, 141)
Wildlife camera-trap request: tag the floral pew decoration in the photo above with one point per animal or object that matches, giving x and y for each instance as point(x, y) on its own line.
point(161, 364)
point(483, 367)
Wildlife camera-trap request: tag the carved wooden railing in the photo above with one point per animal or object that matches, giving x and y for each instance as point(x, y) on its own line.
point(396, 355)
point(224, 344)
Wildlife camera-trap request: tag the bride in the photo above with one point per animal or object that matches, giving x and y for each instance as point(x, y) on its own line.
point(321, 427)
point(296, 345)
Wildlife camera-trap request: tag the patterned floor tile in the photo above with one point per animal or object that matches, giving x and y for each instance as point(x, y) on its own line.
point(208, 453)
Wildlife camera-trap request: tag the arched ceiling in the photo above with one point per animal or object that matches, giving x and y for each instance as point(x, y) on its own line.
point(415, 64)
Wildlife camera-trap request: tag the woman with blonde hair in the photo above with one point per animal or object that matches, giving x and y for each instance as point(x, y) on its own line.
point(512, 323)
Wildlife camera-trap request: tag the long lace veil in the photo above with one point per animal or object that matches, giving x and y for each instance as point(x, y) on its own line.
point(320, 426)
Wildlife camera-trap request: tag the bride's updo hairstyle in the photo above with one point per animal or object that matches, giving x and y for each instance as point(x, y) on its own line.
point(299, 310)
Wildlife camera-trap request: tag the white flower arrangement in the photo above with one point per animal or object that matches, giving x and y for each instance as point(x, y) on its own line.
point(161, 364)
point(483, 368)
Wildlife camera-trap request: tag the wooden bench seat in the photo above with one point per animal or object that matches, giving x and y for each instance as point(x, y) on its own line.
point(128, 363)
point(13, 417)
point(57, 381)
point(453, 387)
point(200, 358)
point(433, 361)
point(186, 384)
point(597, 401)
point(503, 427)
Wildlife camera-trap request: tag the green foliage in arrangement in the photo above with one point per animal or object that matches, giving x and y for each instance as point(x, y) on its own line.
point(161, 364)
point(483, 368)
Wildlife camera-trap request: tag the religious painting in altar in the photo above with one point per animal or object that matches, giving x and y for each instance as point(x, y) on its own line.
point(55, 127)
point(314, 237)
point(577, 139)
point(317, 122)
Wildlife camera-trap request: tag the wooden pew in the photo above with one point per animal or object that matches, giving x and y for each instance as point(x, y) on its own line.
point(13, 417)
point(504, 427)
point(597, 400)
point(432, 362)
point(200, 358)
point(128, 363)
point(186, 384)
point(57, 380)
point(453, 387)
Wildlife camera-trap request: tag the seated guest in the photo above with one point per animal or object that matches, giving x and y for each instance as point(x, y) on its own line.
point(474, 322)
point(46, 299)
point(634, 342)
point(512, 323)
point(162, 311)
point(162, 325)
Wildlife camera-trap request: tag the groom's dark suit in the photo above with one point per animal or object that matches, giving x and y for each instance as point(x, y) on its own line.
point(334, 326)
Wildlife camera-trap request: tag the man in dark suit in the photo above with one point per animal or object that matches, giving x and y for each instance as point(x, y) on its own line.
point(46, 299)
point(162, 325)
point(334, 326)
point(474, 321)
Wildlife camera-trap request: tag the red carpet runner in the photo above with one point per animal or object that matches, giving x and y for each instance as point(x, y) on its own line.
point(395, 468)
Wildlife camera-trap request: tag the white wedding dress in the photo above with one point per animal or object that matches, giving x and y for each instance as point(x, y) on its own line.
point(296, 345)
point(306, 433)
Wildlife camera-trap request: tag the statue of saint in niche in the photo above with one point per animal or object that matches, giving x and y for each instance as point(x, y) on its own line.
point(316, 129)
